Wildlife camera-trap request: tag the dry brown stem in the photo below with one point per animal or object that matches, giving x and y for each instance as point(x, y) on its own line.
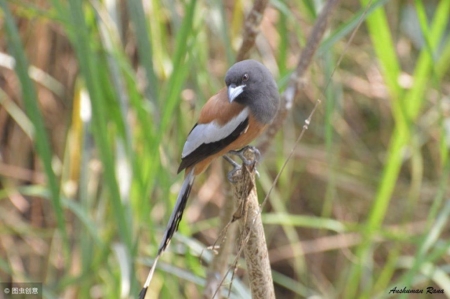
point(252, 238)
point(251, 30)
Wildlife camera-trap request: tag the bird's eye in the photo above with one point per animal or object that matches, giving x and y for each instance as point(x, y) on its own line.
point(245, 77)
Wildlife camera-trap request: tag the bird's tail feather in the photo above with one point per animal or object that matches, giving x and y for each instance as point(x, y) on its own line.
point(143, 292)
point(177, 212)
point(172, 226)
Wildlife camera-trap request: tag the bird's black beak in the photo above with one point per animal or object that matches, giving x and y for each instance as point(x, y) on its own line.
point(234, 91)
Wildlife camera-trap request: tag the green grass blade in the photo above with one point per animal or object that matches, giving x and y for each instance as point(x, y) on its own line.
point(145, 50)
point(426, 63)
point(304, 221)
point(180, 69)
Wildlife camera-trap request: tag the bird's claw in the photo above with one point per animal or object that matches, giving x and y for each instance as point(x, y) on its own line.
point(232, 176)
point(255, 155)
point(236, 167)
point(248, 159)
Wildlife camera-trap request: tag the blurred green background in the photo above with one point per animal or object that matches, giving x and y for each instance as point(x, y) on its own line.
point(97, 97)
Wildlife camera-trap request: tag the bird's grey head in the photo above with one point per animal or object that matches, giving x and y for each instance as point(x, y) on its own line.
point(250, 83)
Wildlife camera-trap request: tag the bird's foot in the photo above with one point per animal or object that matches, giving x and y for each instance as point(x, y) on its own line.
point(249, 155)
point(236, 168)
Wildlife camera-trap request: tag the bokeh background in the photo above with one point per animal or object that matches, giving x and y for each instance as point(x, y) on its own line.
point(97, 97)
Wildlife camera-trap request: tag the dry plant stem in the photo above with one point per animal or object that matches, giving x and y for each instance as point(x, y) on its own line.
point(251, 30)
point(298, 77)
point(252, 233)
point(219, 264)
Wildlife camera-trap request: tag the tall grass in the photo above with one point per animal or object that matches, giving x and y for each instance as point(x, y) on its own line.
point(362, 208)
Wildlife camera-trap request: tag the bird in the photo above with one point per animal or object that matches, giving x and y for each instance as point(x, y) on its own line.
point(228, 121)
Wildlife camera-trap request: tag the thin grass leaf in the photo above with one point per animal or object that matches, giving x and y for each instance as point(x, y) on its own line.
point(225, 33)
point(17, 114)
point(293, 285)
point(348, 27)
point(443, 64)
point(180, 69)
point(143, 39)
point(304, 221)
point(425, 66)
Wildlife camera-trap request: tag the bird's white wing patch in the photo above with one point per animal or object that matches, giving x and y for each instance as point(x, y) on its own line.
point(211, 132)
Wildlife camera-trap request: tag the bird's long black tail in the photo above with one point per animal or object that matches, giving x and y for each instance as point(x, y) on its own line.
point(172, 225)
